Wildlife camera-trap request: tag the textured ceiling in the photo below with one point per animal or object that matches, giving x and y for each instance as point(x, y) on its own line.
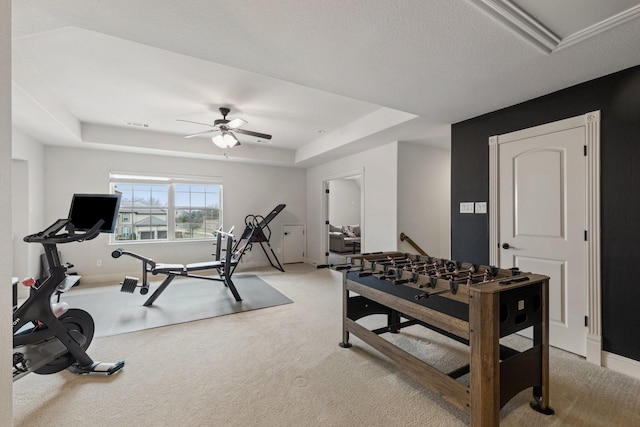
point(325, 78)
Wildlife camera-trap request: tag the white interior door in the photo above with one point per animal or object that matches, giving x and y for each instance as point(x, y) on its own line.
point(293, 243)
point(543, 221)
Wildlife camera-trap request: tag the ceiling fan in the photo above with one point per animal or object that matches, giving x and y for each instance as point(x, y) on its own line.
point(226, 138)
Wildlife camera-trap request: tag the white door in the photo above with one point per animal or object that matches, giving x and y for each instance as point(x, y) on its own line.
point(293, 243)
point(542, 221)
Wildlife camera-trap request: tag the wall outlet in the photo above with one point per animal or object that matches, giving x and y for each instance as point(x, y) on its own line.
point(481, 207)
point(99, 263)
point(466, 207)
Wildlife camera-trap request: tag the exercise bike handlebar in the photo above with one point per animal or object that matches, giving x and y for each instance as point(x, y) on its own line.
point(47, 238)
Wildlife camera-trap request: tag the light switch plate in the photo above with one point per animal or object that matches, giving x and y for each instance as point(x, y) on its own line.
point(466, 207)
point(481, 207)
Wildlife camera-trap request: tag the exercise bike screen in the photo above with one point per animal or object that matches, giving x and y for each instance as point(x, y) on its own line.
point(87, 209)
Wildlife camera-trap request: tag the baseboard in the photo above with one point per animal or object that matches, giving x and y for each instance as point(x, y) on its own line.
point(621, 364)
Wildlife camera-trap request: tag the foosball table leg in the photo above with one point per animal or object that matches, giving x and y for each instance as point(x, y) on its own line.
point(393, 319)
point(537, 405)
point(345, 299)
point(484, 344)
point(540, 401)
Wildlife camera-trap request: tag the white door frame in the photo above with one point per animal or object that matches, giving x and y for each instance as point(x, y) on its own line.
point(325, 207)
point(591, 122)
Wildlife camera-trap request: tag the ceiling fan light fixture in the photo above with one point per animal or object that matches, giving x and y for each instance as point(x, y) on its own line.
point(225, 139)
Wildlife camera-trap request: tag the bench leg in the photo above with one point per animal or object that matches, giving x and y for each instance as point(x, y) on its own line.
point(160, 289)
point(232, 288)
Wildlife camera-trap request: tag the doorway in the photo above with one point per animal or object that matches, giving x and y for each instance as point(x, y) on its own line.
point(343, 216)
point(544, 218)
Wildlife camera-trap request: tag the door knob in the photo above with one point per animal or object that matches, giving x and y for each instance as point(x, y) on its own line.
point(505, 246)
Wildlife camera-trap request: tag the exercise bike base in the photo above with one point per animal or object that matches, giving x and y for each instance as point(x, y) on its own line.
point(97, 368)
point(40, 358)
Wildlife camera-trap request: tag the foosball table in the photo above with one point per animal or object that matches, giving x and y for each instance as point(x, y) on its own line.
point(473, 304)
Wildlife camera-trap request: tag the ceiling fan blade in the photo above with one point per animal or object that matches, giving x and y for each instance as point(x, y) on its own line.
point(200, 133)
point(198, 123)
point(236, 123)
point(252, 133)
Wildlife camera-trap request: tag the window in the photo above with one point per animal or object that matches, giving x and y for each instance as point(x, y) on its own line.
point(197, 210)
point(166, 208)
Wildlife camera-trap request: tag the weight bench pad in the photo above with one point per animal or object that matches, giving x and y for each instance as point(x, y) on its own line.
point(168, 268)
point(204, 265)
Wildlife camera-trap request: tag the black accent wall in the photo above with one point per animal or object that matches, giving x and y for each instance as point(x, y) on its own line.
point(617, 96)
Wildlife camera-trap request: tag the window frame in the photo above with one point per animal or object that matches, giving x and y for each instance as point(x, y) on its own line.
point(121, 177)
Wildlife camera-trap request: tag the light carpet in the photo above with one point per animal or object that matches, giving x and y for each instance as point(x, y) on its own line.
point(184, 300)
point(283, 367)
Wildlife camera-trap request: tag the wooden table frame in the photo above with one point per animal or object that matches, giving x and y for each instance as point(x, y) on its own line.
point(496, 373)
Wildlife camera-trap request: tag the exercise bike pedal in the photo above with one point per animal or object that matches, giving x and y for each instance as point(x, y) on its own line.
point(97, 368)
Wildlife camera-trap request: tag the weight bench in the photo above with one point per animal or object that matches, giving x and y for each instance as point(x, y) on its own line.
point(223, 265)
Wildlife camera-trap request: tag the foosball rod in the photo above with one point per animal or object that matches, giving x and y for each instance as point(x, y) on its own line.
point(429, 294)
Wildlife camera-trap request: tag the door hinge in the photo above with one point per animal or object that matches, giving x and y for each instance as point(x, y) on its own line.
point(585, 150)
point(586, 321)
point(326, 254)
point(326, 191)
point(585, 235)
point(326, 222)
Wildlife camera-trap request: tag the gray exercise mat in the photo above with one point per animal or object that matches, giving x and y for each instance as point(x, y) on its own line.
point(185, 300)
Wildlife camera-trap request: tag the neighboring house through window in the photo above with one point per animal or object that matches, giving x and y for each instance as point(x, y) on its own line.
point(166, 208)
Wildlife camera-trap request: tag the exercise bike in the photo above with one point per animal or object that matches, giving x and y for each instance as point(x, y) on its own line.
point(47, 335)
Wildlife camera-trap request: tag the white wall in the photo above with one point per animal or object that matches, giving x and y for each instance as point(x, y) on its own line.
point(406, 189)
point(379, 169)
point(247, 189)
point(5, 214)
point(344, 205)
point(424, 191)
point(19, 217)
point(26, 150)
